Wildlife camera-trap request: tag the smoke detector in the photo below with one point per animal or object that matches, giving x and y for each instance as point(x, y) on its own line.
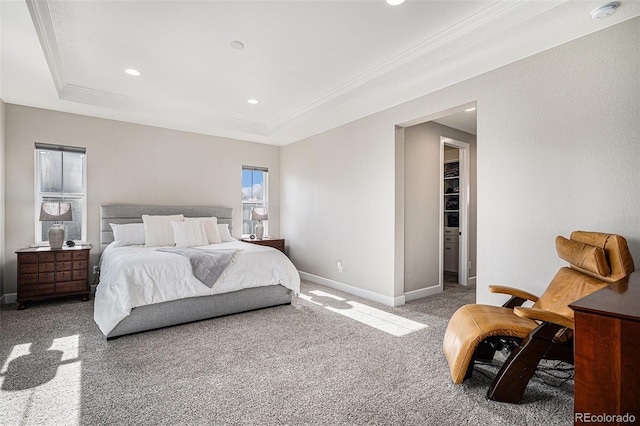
point(604, 11)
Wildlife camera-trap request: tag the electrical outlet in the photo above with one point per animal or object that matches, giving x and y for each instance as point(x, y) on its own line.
point(96, 270)
point(339, 266)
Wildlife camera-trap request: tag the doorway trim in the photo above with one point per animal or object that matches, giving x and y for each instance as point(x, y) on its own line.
point(463, 220)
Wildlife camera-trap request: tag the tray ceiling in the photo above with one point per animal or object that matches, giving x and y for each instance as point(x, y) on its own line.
point(311, 65)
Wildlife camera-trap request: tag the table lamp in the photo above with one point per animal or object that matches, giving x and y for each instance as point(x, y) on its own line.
point(259, 214)
point(56, 212)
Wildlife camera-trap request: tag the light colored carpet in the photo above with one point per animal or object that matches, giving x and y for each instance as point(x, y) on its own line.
point(304, 364)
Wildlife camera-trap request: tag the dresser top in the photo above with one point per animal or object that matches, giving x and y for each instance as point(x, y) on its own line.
point(49, 249)
point(620, 300)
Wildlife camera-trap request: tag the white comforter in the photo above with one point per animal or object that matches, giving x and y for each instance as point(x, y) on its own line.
point(134, 276)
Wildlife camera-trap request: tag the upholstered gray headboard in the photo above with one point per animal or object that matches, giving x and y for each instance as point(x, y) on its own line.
point(113, 213)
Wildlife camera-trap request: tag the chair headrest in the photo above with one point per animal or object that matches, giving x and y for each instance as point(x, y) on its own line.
point(603, 256)
point(583, 256)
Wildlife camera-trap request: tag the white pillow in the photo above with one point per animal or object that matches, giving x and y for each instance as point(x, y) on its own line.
point(158, 230)
point(210, 228)
point(189, 234)
point(128, 234)
point(225, 235)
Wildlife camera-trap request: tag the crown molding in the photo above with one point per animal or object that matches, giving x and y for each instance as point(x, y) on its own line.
point(486, 23)
point(118, 102)
point(41, 17)
point(450, 35)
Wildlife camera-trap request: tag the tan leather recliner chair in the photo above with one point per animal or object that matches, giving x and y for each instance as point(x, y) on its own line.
point(543, 331)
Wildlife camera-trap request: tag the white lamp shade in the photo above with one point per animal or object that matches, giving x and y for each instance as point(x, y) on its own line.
point(259, 213)
point(55, 212)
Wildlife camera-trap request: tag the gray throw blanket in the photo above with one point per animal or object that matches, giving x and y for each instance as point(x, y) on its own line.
point(206, 265)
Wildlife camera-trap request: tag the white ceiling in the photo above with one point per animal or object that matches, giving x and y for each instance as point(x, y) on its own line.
point(312, 65)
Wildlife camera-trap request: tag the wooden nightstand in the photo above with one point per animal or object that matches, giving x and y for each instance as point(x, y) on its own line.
point(277, 243)
point(44, 273)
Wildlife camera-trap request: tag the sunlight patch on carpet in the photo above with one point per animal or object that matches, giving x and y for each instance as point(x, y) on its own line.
point(376, 318)
point(41, 383)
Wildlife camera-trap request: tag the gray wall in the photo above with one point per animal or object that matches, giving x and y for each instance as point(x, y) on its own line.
point(2, 200)
point(129, 164)
point(422, 202)
point(557, 151)
point(337, 204)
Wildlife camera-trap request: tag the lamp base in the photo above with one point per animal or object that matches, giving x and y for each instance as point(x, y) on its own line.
point(259, 231)
point(56, 237)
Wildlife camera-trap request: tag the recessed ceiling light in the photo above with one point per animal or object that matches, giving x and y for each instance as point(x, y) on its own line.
point(237, 44)
point(470, 109)
point(395, 2)
point(132, 72)
point(604, 11)
point(253, 101)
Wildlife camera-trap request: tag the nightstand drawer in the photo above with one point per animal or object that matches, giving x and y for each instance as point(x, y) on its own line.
point(71, 287)
point(28, 268)
point(29, 258)
point(78, 255)
point(276, 243)
point(46, 267)
point(46, 257)
point(36, 291)
point(28, 279)
point(80, 274)
point(79, 264)
point(62, 257)
point(46, 277)
point(63, 276)
point(63, 266)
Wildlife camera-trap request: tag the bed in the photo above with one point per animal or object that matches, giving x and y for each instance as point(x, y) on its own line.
point(145, 288)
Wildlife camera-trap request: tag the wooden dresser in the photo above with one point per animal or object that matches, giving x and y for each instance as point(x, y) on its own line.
point(44, 273)
point(607, 354)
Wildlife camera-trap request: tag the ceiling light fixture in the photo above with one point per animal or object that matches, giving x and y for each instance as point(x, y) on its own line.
point(604, 11)
point(395, 2)
point(132, 72)
point(237, 44)
point(470, 109)
point(253, 101)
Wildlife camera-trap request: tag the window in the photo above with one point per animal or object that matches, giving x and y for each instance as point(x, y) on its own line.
point(255, 188)
point(61, 175)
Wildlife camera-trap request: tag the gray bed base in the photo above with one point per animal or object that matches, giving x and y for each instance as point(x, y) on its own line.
point(182, 311)
point(191, 309)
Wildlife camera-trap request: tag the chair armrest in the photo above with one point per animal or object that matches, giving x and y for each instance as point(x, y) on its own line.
point(513, 292)
point(542, 315)
point(518, 297)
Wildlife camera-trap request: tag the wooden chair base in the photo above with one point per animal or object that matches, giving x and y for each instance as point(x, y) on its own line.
point(516, 372)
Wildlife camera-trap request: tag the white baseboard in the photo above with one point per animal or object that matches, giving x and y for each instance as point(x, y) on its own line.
point(423, 292)
point(8, 298)
point(430, 291)
point(356, 291)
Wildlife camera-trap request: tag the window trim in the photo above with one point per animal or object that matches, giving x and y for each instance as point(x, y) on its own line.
point(39, 196)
